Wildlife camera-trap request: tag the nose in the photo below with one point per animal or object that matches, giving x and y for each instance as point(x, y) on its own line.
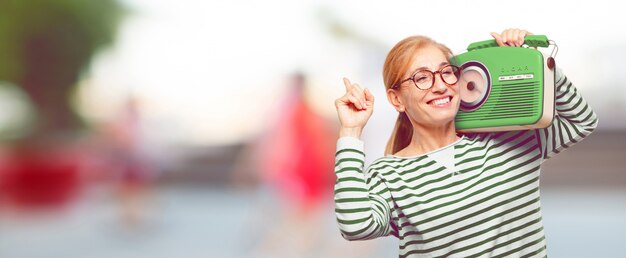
point(438, 84)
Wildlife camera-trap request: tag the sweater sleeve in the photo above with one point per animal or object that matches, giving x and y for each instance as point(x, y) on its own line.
point(574, 119)
point(362, 200)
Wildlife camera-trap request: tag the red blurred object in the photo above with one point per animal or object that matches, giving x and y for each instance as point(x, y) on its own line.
point(298, 152)
point(40, 177)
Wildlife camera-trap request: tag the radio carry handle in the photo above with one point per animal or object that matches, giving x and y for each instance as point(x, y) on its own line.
point(531, 41)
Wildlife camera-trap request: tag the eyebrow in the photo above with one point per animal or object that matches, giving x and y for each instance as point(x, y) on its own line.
point(426, 68)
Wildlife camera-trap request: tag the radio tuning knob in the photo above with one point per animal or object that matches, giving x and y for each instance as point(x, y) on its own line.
point(551, 63)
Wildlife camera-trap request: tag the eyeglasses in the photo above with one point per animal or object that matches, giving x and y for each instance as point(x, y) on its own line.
point(425, 79)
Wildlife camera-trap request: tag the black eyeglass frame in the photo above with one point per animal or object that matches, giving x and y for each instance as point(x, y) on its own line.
point(457, 73)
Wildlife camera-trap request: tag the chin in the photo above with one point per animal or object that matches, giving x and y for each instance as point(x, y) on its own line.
point(443, 120)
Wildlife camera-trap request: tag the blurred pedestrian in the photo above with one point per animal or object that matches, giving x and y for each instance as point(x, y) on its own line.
point(290, 159)
point(133, 172)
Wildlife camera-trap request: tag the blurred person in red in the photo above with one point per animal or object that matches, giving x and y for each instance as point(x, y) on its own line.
point(290, 160)
point(293, 152)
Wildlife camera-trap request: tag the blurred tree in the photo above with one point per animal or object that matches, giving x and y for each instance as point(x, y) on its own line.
point(45, 45)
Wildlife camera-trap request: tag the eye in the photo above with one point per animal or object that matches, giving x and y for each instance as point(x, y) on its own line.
point(447, 71)
point(421, 78)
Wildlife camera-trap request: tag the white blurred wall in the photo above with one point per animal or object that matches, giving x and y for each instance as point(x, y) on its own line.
point(211, 72)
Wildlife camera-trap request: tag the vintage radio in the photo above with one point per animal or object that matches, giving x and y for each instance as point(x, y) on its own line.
point(506, 88)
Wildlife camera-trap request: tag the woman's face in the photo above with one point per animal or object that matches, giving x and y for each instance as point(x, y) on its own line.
point(433, 107)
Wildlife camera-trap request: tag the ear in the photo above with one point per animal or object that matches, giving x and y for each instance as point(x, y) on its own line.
point(395, 99)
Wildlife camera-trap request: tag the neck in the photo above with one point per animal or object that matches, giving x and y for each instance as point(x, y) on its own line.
point(429, 138)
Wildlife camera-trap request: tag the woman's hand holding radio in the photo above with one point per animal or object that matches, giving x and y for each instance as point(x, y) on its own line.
point(354, 109)
point(511, 37)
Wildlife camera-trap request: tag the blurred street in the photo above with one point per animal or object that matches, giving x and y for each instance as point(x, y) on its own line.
point(192, 219)
point(209, 223)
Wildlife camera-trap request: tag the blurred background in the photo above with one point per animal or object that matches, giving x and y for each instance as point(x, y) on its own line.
point(151, 128)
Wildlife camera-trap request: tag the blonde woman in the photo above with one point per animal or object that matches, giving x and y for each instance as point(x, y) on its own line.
point(441, 193)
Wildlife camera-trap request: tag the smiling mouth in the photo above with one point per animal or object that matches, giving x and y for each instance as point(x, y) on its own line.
point(440, 102)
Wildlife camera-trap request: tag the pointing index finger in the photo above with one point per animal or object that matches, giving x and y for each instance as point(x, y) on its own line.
point(347, 83)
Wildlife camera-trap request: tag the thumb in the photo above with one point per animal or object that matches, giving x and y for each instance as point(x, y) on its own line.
point(498, 38)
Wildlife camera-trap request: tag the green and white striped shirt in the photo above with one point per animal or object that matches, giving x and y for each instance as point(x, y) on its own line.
point(488, 205)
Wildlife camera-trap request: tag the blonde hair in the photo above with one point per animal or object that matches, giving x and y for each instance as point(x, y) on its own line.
point(397, 63)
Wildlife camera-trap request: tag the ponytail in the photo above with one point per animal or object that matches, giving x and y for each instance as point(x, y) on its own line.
point(401, 135)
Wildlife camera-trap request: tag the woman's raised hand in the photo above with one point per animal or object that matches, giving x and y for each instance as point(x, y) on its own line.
point(510, 37)
point(354, 109)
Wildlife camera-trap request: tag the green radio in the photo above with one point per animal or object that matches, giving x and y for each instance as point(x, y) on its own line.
point(506, 88)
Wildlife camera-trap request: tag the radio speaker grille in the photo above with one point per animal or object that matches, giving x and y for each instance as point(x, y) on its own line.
point(508, 100)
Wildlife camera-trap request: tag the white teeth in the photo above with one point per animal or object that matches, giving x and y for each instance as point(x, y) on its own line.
point(441, 101)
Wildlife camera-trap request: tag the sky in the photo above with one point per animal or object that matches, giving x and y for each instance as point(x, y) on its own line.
point(214, 72)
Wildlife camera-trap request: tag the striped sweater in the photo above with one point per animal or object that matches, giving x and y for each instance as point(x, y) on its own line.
point(488, 206)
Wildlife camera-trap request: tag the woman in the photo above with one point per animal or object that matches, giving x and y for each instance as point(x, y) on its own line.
point(444, 194)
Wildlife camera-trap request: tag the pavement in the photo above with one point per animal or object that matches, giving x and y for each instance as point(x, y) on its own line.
point(583, 198)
